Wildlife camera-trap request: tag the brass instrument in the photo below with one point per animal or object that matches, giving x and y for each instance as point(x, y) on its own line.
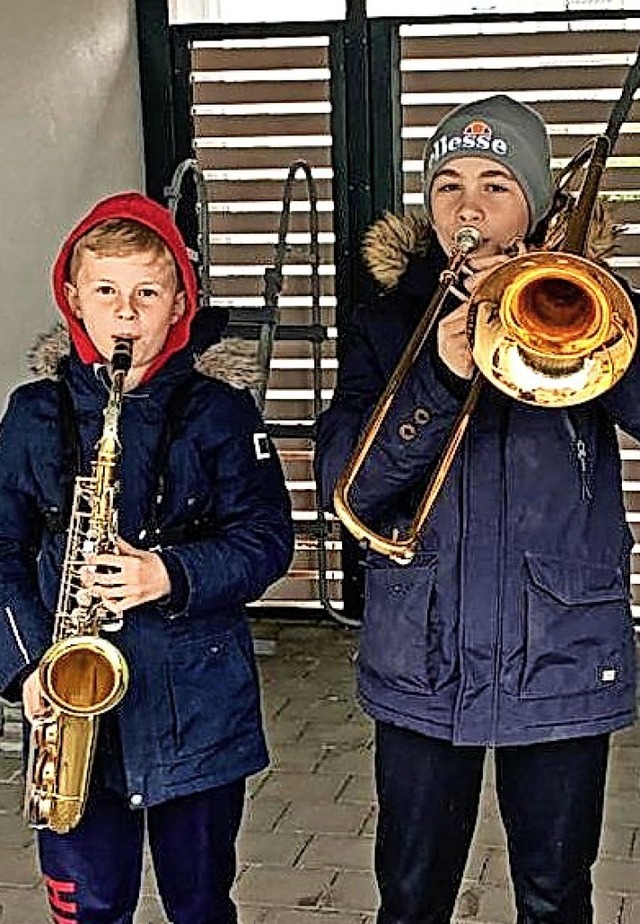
point(82, 674)
point(555, 329)
point(402, 550)
point(551, 329)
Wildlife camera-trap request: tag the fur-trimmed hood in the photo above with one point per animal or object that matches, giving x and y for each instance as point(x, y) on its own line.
point(233, 360)
point(394, 240)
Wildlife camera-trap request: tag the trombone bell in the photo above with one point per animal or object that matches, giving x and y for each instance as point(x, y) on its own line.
point(552, 329)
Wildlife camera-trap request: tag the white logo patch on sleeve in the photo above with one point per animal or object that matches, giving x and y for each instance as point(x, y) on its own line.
point(262, 446)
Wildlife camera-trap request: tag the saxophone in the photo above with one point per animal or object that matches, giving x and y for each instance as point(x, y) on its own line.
point(82, 674)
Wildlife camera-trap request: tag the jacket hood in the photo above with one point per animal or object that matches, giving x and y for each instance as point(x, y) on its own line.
point(136, 207)
point(395, 241)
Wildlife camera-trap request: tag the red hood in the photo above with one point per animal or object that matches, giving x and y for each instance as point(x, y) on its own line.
point(135, 206)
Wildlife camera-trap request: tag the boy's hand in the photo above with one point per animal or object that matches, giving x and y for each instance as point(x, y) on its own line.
point(33, 701)
point(133, 577)
point(453, 342)
point(454, 347)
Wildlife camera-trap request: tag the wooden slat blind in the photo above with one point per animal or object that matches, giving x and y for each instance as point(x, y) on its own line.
point(257, 106)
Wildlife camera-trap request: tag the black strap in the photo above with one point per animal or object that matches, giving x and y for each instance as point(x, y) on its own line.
point(57, 519)
point(72, 461)
point(174, 413)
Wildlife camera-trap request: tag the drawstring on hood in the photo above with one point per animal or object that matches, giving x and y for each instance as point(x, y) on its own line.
point(131, 206)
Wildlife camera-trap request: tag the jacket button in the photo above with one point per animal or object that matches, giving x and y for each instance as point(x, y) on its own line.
point(407, 432)
point(421, 416)
point(136, 800)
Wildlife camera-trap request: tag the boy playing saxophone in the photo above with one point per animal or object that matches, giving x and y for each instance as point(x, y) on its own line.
point(204, 528)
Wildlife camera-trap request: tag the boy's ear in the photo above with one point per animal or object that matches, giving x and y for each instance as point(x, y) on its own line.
point(72, 297)
point(179, 305)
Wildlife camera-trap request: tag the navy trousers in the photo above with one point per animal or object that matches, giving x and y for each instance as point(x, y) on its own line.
point(93, 873)
point(551, 801)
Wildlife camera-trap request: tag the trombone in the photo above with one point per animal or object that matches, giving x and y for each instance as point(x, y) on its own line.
point(551, 329)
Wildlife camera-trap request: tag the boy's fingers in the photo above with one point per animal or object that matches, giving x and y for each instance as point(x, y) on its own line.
point(127, 549)
point(107, 560)
point(32, 699)
point(108, 579)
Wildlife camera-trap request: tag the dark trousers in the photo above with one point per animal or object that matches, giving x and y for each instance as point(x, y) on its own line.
point(93, 873)
point(551, 799)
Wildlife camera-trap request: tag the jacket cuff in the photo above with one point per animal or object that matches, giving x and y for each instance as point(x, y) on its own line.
point(455, 384)
point(177, 599)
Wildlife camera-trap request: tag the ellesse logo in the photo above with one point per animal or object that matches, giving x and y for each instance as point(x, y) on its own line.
point(477, 135)
point(477, 129)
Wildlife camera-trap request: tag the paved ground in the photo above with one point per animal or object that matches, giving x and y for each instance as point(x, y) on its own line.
point(306, 845)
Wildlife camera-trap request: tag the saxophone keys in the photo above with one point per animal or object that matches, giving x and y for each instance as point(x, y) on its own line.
point(84, 597)
point(111, 622)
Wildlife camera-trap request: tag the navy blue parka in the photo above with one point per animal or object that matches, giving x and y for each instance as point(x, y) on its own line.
point(190, 718)
point(512, 625)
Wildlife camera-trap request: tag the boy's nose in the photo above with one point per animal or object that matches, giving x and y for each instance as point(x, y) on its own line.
point(470, 211)
point(470, 208)
point(126, 307)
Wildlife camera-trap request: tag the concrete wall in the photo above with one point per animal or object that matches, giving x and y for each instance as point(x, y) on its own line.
point(70, 133)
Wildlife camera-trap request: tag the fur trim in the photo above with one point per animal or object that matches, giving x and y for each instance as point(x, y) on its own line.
point(394, 239)
point(48, 349)
point(390, 242)
point(233, 360)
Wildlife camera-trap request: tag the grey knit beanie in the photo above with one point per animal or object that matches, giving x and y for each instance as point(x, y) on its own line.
point(503, 130)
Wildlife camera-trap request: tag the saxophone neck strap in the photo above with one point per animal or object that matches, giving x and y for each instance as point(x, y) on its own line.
point(72, 455)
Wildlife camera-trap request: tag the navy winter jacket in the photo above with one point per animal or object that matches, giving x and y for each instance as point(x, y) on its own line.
point(512, 625)
point(191, 716)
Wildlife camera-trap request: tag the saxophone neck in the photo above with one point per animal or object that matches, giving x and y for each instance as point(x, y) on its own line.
point(108, 445)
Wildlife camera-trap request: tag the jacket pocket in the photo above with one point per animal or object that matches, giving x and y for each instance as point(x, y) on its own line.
point(403, 639)
point(575, 630)
point(212, 686)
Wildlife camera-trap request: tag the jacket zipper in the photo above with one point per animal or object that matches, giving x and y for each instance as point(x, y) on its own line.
point(497, 651)
point(580, 450)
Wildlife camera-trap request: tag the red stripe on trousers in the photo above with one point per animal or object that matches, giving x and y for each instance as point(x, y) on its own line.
point(59, 891)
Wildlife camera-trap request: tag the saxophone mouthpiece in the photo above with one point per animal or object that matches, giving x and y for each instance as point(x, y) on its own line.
point(121, 358)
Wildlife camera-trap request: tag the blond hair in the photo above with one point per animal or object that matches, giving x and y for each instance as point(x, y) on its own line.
point(119, 237)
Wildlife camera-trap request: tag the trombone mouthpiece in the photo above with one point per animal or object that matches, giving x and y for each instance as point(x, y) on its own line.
point(467, 239)
point(121, 358)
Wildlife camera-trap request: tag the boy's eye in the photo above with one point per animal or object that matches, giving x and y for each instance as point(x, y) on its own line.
point(105, 290)
point(448, 187)
point(497, 188)
point(147, 293)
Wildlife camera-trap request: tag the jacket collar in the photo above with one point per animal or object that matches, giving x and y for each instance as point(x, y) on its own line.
point(90, 383)
point(402, 252)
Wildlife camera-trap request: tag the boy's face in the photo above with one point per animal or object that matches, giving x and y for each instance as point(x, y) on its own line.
point(478, 192)
point(133, 297)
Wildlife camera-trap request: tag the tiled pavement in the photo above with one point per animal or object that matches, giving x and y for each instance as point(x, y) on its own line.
point(306, 844)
